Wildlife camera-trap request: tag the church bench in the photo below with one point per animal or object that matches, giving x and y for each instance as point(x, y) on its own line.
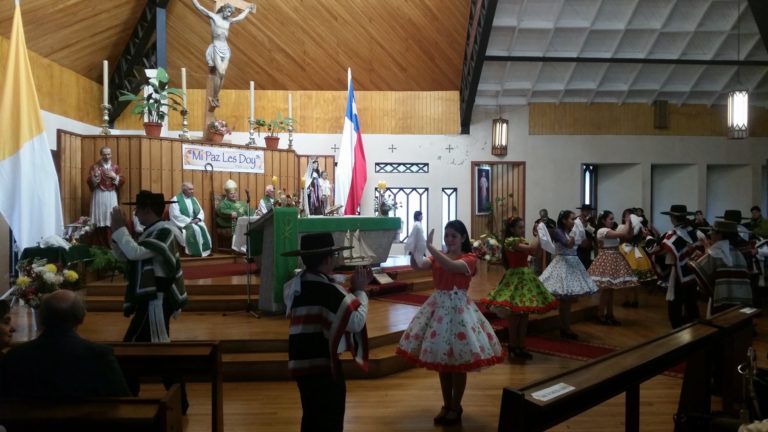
point(195, 360)
point(570, 393)
point(96, 414)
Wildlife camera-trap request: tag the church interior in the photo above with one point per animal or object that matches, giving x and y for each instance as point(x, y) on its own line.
point(482, 111)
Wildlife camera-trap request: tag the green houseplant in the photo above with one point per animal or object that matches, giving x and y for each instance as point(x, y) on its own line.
point(273, 128)
point(156, 104)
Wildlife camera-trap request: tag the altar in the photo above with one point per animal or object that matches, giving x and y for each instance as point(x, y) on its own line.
point(281, 229)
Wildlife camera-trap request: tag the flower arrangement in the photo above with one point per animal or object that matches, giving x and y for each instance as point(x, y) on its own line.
point(385, 203)
point(487, 248)
point(220, 127)
point(284, 199)
point(37, 278)
point(78, 229)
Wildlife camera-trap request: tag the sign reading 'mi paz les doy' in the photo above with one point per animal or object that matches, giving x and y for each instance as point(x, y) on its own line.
point(196, 157)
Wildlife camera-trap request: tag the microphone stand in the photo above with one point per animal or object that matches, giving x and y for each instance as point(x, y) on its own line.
point(250, 307)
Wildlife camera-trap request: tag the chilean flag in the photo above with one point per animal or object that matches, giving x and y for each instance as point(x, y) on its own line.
point(351, 170)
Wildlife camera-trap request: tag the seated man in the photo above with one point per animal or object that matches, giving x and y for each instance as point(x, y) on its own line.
point(59, 363)
point(267, 203)
point(231, 208)
point(722, 271)
point(187, 214)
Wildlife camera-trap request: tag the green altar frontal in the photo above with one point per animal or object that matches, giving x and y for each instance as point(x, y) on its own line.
point(280, 231)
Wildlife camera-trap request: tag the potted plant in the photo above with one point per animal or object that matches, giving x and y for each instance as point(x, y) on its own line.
point(273, 128)
point(217, 129)
point(155, 104)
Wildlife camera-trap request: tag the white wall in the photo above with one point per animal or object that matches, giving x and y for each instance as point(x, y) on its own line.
point(619, 186)
point(724, 185)
point(672, 184)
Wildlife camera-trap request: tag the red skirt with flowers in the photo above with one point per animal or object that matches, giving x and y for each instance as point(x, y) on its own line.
point(450, 334)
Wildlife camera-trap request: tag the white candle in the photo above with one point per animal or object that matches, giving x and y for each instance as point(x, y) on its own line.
point(251, 96)
point(184, 88)
point(106, 82)
point(290, 106)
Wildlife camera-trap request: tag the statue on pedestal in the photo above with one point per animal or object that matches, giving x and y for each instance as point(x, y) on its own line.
point(218, 52)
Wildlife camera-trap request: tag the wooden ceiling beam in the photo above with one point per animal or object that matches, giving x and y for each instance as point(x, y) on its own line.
point(760, 12)
point(478, 33)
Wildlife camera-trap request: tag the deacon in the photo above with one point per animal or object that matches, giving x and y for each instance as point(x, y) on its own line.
point(104, 180)
point(326, 320)
point(187, 214)
point(155, 288)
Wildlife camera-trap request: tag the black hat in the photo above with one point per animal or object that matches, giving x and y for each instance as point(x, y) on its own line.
point(726, 227)
point(585, 207)
point(316, 244)
point(146, 198)
point(678, 210)
point(732, 215)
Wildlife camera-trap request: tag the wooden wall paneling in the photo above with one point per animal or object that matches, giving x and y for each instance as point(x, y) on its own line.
point(507, 177)
point(89, 157)
point(178, 173)
point(132, 184)
point(290, 174)
point(77, 187)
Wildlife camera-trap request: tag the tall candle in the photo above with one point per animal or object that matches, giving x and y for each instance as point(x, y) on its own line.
point(105, 65)
point(290, 106)
point(251, 95)
point(184, 88)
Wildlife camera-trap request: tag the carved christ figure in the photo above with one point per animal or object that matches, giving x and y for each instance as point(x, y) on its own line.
point(218, 53)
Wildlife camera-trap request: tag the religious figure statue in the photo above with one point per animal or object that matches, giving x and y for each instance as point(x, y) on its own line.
point(104, 180)
point(218, 53)
point(313, 190)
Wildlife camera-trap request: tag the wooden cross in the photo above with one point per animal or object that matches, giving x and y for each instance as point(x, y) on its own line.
point(240, 4)
point(334, 148)
point(392, 148)
point(449, 148)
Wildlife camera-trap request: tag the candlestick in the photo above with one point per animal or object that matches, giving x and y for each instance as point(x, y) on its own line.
point(251, 131)
point(184, 123)
point(105, 80)
point(251, 96)
point(105, 108)
point(184, 88)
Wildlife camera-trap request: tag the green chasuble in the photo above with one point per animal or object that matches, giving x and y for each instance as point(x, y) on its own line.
point(196, 239)
point(223, 213)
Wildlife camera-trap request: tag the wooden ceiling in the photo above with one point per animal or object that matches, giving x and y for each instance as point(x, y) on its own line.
point(395, 45)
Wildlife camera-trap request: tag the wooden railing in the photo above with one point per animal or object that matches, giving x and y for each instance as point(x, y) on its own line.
point(724, 338)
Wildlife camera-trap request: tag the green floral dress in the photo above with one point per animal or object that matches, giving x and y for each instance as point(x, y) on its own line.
point(519, 291)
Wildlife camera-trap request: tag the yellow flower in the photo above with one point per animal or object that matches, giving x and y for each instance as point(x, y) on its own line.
point(70, 276)
point(23, 281)
point(51, 268)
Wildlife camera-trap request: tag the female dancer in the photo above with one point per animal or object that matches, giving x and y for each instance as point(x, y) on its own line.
point(566, 277)
point(520, 292)
point(633, 251)
point(449, 334)
point(610, 270)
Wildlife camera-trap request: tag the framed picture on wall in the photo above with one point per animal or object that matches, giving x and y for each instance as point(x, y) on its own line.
point(482, 189)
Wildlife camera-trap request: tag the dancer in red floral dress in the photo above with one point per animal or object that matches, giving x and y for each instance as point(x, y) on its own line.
point(449, 333)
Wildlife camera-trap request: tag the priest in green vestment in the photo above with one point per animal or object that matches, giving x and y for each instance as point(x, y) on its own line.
point(231, 208)
point(187, 214)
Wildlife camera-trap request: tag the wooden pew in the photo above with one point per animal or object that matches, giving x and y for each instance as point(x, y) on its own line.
point(195, 360)
point(594, 382)
point(97, 415)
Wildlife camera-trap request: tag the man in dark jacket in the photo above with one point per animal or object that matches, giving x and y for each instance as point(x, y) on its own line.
point(59, 364)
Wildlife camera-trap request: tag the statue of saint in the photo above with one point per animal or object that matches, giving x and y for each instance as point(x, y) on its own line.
point(218, 53)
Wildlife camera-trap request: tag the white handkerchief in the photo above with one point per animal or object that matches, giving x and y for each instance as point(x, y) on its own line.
point(544, 239)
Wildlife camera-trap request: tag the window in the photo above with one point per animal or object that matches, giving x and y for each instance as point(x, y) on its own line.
point(402, 168)
point(589, 185)
point(450, 207)
point(408, 201)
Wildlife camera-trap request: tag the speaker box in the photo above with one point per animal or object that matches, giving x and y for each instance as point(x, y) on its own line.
point(660, 114)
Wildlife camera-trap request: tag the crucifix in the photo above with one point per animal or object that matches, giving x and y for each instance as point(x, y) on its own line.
point(450, 148)
point(392, 148)
point(334, 147)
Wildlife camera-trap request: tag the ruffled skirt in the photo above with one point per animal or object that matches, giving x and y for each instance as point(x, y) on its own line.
point(565, 277)
point(520, 291)
point(450, 334)
point(638, 261)
point(611, 271)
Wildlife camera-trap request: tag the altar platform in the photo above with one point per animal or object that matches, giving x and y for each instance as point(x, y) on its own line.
point(257, 348)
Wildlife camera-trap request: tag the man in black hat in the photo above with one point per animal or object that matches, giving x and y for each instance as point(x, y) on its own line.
point(326, 320)
point(155, 288)
point(587, 222)
point(745, 244)
point(722, 272)
point(680, 244)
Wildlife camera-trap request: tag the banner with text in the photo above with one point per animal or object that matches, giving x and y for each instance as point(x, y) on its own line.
point(222, 158)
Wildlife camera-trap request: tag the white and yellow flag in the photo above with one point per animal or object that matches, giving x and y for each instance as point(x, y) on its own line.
point(29, 187)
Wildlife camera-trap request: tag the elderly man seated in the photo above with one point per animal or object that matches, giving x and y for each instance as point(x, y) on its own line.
point(59, 363)
point(189, 216)
point(231, 208)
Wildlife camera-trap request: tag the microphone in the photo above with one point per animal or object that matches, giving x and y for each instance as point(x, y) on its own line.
point(247, 196)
